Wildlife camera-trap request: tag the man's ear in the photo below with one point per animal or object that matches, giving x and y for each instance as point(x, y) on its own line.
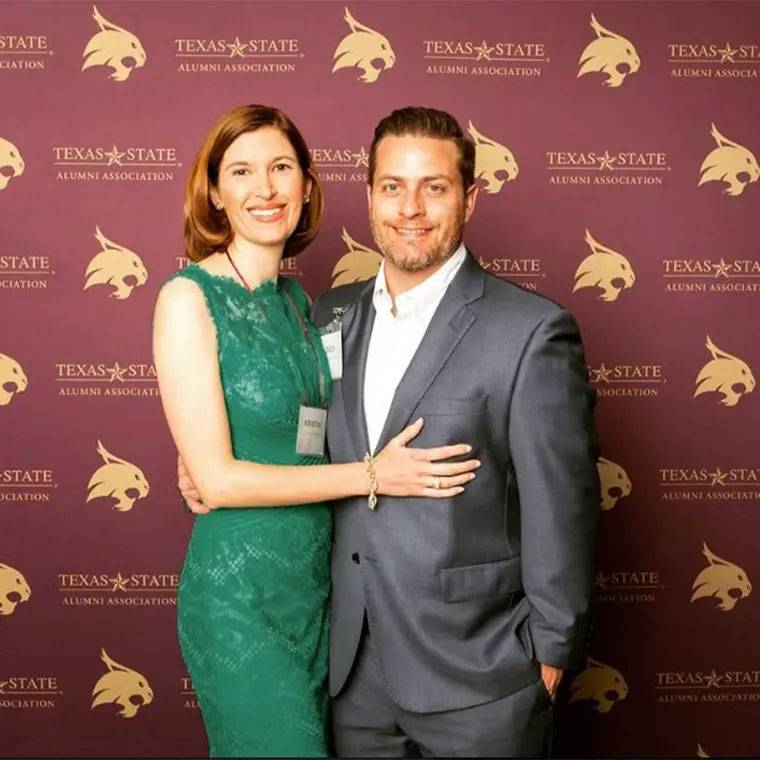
point(369, 200)
point(470, 198)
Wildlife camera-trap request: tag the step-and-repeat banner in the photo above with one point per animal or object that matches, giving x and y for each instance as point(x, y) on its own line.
point(617, 149)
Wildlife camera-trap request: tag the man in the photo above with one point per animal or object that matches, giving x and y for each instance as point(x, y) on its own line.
point(453, 620)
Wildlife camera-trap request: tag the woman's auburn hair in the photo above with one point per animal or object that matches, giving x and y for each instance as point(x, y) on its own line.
point(207, 230)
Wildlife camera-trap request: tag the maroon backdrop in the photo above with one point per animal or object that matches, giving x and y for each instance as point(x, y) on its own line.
point(595, 123)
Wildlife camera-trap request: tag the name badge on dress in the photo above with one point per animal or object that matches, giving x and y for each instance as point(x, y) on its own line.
point(312, 423)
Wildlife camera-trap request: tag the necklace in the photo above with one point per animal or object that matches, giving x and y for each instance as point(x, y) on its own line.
point(237, 271)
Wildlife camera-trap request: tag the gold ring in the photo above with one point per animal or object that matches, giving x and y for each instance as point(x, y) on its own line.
point(436, 482)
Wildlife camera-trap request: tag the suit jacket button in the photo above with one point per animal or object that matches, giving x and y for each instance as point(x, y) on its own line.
point(355, 558)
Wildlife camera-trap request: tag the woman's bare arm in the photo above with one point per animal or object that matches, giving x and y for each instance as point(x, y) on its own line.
point(185, 355)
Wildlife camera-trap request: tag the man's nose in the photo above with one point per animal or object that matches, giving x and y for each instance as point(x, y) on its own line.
point(411, 205)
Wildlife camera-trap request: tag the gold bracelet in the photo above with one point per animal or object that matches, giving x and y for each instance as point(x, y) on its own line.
point(369, 460)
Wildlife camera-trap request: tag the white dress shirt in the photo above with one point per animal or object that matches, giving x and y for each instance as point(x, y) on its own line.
point(395, 339)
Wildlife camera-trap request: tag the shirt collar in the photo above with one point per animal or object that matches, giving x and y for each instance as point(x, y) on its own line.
point(419, 298)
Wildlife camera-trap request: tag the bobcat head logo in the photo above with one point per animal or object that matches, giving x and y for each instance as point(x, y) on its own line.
point(601, 683)
point(724, 374)
point(122, 686)
point(615, 483)
point(11, 163)
point(118, 479)
point(12, 379)
point(609, 54)
point(13, 589)
point(722, 579)
point(727, 163)
point(361, 48)
point(360, 263)
point(113, 46)
point(116, 266)
point(494, 162)
point(605, 269)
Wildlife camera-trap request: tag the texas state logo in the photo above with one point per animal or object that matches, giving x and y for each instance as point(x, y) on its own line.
point(494, 162)
point(11, 163)
point(116, 266)
point(601, 684)
point(361, 48)
point(637, 586)
point(12, 379)
point(605, 269)
point(25, 51)
point(341, 163)
point(709, 482)
point(610, 54)
point(357, 264)
point(721, 580)
point(728, 686)
point(121, 686)
point(714, 59)
point(614, 481)
point(13, 589)
point(724, 374)
point(223, 54)
point(114, 47)
point(118, 479)
point(731, 163)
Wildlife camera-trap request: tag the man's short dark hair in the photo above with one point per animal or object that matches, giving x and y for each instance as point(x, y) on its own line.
point(426, 122)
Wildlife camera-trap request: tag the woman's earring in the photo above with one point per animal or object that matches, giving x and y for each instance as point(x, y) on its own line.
point(306, 199)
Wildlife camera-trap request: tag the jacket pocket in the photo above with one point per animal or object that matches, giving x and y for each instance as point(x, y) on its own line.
point(458, 584)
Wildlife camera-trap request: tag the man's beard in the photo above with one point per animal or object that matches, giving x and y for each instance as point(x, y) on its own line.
point(416, 261)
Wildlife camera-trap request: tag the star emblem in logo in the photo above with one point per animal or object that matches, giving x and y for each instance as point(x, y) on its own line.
point(237, 47)
point(119, 583)
point(718, 477)
point(721, 268)
point(2, 685)
point(114, 156)
point(485, 264)
point(601, 580)
point(601, 375)
point(362, 157)
point(483, 51)
point(727, 53)
point(713, 679)
point(606, 161)
point(117, 373)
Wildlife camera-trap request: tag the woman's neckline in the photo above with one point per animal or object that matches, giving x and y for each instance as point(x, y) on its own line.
point(269, 281)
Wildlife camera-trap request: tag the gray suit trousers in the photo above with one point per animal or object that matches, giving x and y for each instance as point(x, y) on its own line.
point(367, 723)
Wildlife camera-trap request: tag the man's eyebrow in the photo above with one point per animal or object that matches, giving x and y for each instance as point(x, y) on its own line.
point(427, 178)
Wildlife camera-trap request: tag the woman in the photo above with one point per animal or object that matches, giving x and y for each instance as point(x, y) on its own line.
point(238, 366)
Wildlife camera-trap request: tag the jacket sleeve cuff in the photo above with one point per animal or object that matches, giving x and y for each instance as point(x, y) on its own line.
point(551, 648)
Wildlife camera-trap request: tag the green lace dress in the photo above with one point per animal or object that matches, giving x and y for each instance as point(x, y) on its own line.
point(254, 591)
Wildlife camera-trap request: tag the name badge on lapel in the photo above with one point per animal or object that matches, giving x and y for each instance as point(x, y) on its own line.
point(312, 424)
point(332, 342)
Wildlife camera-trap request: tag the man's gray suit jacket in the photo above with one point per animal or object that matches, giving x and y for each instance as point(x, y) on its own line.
point(465, 596)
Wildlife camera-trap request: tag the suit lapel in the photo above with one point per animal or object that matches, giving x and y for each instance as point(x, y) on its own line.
point(357, 329)
point(451, 321)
